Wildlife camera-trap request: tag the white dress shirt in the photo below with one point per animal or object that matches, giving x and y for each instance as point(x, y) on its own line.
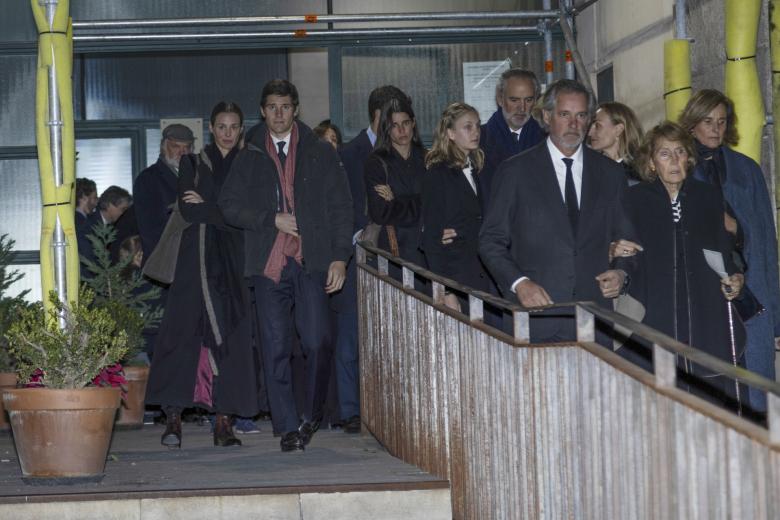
point(560, 169)
point(517, 133)
point(371, 136)
point(468, 172)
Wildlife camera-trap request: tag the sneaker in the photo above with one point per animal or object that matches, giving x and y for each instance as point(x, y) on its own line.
point(244, 425)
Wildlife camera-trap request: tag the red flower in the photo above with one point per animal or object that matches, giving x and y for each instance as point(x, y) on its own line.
point(112, 376)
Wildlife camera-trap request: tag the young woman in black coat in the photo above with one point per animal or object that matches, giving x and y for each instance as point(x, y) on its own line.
point(451, 201)
point(393, 176)
point(203, 355)
point(675, 218)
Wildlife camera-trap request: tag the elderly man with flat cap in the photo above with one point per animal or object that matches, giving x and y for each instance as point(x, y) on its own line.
point(155, 188)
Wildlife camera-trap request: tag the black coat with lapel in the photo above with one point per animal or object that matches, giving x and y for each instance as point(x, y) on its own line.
point(154, 192)
point(527, 232)
point(449, 201)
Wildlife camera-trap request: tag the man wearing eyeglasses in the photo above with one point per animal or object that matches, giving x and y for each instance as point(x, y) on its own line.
point(288, 191)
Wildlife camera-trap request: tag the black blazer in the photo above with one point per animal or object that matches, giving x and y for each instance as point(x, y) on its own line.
point(154, 192)
point(353, 157)
point(448, 201)
point(527, 233)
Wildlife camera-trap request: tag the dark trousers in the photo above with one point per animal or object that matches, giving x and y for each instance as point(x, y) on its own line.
point(298, 299)
point(347, 366)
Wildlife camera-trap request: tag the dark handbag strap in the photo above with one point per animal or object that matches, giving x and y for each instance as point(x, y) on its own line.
point(392, 237)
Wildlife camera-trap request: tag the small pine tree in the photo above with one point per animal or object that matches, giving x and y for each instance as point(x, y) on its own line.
point(129, 299)
point(10, 307)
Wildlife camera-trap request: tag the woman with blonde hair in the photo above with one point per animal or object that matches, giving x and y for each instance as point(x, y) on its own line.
point(617, 133)
point(451, 200)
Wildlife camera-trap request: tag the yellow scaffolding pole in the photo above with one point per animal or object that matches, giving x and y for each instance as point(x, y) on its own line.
point(742, 84)
point(677, 77)
point(56, 149)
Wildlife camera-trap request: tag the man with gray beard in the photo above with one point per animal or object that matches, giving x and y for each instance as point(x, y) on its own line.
point(155, 188)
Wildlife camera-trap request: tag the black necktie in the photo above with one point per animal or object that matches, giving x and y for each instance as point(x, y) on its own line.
point(517, 136)
point(280, 153)
point(570, 195)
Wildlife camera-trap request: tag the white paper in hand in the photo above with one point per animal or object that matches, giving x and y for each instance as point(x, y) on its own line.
point(715, 261)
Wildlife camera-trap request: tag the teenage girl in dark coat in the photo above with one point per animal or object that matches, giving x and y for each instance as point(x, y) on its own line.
point(393, 175)
point(451, 201)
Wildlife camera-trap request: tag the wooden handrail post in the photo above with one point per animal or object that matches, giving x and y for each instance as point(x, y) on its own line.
point(408, 277)
point(476, 309)
point(522, 327)
point(665, 365)
point(586, 325)
point(773, 418)
point(438, 293)
point(383, 264)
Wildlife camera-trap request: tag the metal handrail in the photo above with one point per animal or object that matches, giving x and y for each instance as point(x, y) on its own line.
point(662, 344)
point(314, 19)
point(320, 33)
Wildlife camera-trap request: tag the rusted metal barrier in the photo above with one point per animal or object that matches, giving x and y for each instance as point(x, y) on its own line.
point(552, 431)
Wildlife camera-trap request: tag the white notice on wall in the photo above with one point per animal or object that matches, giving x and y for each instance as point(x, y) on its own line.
point(479, 85)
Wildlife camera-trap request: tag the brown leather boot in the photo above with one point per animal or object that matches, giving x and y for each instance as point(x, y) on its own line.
point(171, 437)
point(223, 431)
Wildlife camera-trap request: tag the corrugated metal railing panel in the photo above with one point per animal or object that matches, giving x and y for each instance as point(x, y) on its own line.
point(546, 431)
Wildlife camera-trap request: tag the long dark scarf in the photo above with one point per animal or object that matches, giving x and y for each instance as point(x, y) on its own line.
point(713, 164)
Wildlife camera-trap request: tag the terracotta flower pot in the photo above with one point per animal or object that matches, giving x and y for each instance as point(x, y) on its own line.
point(7, 380)
point(62, 435)
point(131, 412)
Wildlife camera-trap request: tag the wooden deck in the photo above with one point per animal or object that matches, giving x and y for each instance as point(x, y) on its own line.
point(139, 468)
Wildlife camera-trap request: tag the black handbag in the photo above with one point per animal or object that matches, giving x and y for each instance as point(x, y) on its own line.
point(747, 305)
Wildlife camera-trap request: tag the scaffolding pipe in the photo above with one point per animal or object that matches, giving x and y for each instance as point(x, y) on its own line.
point(568, 62)
point(774, 46)
point(354, 33)
point(681, 31)
point(314, 18)
point(59, 244)
point(571, 43)
point(549, 65)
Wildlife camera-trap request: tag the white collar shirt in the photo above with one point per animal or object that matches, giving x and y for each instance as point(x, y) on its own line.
point(468, 171)
point(560, 169)
point(371, 136)
point(286, 140)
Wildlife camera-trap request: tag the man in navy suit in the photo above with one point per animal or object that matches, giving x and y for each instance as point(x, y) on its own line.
point(344, 303)
point(555, 210)
point(511, 129)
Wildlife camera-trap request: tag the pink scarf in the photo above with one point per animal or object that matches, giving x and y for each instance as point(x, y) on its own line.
point(285, 245)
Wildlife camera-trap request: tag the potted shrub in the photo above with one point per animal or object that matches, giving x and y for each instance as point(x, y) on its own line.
point(121, 289)
point(9, 311)
point(62, 425)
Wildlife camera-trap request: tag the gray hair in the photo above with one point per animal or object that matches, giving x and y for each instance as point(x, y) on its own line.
point(566, 86)
point(518, 74)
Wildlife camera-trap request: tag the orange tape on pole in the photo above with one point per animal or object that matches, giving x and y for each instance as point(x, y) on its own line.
point(299, 33)
point(548, 66)
point(310, 18)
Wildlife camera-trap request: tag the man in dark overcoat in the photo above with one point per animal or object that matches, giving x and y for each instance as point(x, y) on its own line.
point(288, 191)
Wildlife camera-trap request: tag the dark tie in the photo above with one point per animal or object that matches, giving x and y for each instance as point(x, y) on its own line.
point(280, 153)
point(516, 136)
point(571, 197)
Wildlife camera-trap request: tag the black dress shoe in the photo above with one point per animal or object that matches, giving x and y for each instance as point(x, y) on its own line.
point(171, 437)
point(352, 425)
point(291, 441)
point(307, 430)
point(223, 431)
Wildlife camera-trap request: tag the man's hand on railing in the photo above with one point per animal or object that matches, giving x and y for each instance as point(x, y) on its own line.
point(530, 294)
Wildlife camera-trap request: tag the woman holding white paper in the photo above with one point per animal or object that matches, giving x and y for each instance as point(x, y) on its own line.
point(676, 218)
